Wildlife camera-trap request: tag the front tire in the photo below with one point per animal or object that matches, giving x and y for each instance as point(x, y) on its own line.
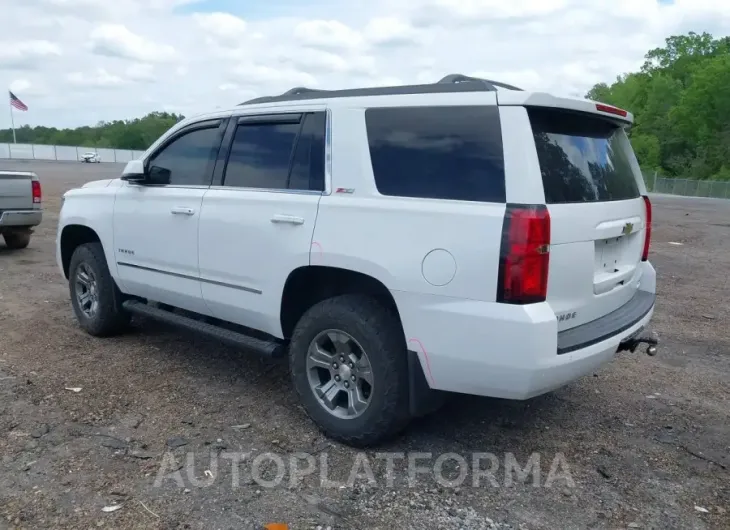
point(95, 297)
point(349, 366)
point(17, 240)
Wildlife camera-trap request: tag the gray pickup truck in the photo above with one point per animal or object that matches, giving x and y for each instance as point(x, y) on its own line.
point(20, 207)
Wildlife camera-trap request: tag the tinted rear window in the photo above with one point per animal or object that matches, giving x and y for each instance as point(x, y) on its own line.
point(260, 155)
point(307, 171)
point(582, 159)
point(437, 152)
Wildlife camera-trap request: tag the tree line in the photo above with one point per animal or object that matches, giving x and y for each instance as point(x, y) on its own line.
point(681, 103)
point(136, 134)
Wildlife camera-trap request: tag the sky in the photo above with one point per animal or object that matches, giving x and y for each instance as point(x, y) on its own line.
point(78, 62)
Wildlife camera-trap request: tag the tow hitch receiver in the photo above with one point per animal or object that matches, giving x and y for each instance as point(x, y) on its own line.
point(633, 343)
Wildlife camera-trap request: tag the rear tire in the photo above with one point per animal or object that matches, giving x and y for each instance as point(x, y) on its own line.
point(95, 297)
point(372, 330)
point(17, 239)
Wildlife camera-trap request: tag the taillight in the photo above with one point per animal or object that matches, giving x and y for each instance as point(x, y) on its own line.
point(524, 254)
point(611, 110)
point(647, 230)
point(36, 191)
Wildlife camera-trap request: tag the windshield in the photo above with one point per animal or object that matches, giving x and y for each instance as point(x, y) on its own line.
point(582, 158)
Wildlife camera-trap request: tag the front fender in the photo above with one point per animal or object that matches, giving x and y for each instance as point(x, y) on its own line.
point(92, 207)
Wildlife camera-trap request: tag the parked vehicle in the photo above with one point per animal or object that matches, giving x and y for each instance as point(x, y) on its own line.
point(91, 157)
point(463, 236)
point(21, 207)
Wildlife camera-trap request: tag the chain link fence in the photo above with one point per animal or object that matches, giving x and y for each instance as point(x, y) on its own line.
point(689, 188)
point(64, 152)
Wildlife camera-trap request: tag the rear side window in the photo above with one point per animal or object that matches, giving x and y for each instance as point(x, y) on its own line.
point(260, 155)
point(437, 152)
point(275, 155)
point(582, 158)
point(307, 171)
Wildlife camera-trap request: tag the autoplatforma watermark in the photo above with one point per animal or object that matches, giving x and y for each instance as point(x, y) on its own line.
point(396, 469)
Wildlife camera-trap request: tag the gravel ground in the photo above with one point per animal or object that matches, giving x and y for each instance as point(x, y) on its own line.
point(171, 428)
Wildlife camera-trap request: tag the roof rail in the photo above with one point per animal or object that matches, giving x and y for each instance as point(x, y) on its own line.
point(491, 85)
point(300, 90)
point(450, 83)
point(296, 91)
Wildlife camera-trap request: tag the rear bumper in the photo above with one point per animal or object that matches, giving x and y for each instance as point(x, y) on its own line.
point(505, 351)
point(604, 328)
point(21, 218)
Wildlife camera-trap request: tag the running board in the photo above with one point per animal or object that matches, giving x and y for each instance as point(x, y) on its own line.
point(267, 348)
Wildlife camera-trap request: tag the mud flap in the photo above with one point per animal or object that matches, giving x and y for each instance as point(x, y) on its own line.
point(422, 398)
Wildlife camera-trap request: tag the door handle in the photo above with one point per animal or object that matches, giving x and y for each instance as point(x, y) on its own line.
point(291, 219)
point(179, 210)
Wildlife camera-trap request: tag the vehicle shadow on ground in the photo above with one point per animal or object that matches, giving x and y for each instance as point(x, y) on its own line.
point(5, 250)
point(463, 423)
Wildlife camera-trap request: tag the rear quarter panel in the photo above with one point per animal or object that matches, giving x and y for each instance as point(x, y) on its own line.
point(390, 237)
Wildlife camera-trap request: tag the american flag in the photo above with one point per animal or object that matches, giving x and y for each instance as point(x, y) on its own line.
point(15, 102)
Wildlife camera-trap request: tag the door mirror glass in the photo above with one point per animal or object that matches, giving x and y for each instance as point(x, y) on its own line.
point(134, 171)
point(158, 175)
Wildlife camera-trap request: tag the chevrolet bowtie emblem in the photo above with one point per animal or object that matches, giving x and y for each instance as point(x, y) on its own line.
point(628, 228)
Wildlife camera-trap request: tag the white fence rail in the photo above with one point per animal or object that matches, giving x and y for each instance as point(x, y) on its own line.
point(64, 152)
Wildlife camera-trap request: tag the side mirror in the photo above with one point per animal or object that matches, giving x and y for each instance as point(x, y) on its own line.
point(134, 171)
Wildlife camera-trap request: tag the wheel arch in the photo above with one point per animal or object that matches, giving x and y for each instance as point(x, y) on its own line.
point(72, 236)
point(307, 285)
point(310, 284)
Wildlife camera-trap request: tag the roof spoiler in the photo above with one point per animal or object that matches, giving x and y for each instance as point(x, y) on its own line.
point(541, 99)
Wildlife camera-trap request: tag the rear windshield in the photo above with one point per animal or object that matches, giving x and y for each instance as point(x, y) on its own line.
point(582, 158)
point(437, 152)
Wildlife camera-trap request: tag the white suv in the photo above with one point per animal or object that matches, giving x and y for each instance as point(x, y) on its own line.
point(462, 236)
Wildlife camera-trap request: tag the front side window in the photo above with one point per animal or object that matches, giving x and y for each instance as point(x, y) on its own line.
point(185, 161)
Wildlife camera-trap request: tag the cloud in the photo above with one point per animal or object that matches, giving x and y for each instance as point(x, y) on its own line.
point(92, 59)
point(26, 88)
point(327, 34)
point(390, 31)
point(115, 40)
point(228, 86)
point(470, 12)
point(223, 28)
point(106, 9)
point(20, 85)
point(140, 72)
point(322, 62)
point(258, 74)
point(98, 79)
point(27, 55)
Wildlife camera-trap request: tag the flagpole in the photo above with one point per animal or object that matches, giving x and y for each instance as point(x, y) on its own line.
point(12, 120)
